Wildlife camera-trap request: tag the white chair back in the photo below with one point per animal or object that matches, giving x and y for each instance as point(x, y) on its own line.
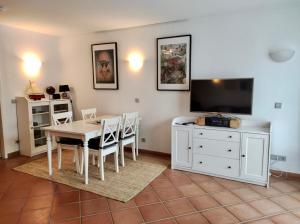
point(88, 114)
point(62, 118)
point(129, 124)
point(110, 131)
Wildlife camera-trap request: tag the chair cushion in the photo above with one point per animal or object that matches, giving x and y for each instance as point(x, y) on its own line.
point(70, 141)
point(94, 143)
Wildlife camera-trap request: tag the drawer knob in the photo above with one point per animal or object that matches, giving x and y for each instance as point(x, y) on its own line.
point(243, 156)
point(200, 162)
point(229, 136)
point(201, 133)
point(229, 150)
point(229, 167)
point(201, 146)
point(190, 147)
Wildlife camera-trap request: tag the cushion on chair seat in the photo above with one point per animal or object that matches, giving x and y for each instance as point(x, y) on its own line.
point(69, 141)
point(94, 143)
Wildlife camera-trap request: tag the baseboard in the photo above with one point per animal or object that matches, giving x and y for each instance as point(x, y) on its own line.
point(286, 174)
point(145, 151)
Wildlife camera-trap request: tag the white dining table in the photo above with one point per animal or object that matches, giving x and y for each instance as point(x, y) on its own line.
point(83, 130)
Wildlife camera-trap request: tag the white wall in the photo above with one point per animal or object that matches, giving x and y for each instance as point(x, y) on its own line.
point(233, 45)
point(13, 44)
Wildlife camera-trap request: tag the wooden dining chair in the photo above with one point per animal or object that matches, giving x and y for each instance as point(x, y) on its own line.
point(128, 134)
point(66, 143)
point(107, 143)
point(88, 114)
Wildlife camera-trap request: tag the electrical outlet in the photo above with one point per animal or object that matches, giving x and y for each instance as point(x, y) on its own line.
point(282, 158)
point(143, 140)
point(278, 158)
point(13, 101)
point(274, 157)
point(278, 105)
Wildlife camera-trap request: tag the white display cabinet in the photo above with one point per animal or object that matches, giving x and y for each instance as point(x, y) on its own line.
point(32, 116)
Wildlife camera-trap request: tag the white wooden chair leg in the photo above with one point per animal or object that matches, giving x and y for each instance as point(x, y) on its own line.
point(82, 161)
point(93, 160)
point(137, 142)
point(101, 169)
point(122, 155)
point(77, 164)
point(116, 161)
point(98, 162)
point(59, 155)
point(74, 158)
point(104, 158)
point(133, 151)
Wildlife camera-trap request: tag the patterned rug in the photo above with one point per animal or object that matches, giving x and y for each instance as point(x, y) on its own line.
point(122, 186)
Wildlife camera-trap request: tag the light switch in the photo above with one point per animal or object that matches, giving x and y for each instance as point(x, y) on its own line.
point(137, 100)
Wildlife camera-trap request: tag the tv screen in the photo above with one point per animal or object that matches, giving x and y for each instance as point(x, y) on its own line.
point(222, 95)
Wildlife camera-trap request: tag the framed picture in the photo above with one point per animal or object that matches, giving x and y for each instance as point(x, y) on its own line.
point(174, 63)
point(105, 66)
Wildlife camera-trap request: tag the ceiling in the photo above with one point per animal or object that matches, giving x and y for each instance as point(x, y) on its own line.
point(68, 17)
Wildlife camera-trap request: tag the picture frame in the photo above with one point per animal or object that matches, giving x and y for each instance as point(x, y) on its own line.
point(105, 66)
point(174, 63)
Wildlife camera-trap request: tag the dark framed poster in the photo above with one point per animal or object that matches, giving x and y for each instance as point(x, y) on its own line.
point(105, 65)
point(174, 63)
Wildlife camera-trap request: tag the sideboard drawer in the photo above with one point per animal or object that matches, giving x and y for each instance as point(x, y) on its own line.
point(217, 135)
point(216, 148)
point(216, 165)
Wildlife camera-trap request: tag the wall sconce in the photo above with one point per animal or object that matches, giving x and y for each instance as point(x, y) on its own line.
point(136, 61)
point(31, 65)
point(282, 55)
point(31, 68)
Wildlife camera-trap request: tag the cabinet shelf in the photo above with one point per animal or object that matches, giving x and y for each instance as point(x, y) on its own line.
point(40, 138)
point(60, 111)
point(41, 113)
point(40, 126)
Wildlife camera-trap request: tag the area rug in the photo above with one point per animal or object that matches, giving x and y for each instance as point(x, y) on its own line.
point(122, 186)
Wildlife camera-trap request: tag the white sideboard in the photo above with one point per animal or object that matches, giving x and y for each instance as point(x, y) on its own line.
point(241, 154)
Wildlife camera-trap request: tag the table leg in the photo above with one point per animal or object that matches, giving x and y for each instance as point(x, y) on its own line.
point(49, 146)
point(86, 162)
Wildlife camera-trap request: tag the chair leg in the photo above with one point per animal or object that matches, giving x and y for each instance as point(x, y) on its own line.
point(122, 155)
point(137, 142)
point(77, 163)
point(116, 161)
point(104, 158)
point(93, 160)
point(82, 161)
point(133, 151)
point(59, 155)
point(101, 169)
point(74, 158)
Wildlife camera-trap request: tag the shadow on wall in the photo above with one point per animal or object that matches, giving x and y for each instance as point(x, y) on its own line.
point(164, 133)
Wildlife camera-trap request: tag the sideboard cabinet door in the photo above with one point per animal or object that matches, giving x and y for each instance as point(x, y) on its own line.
point(182, 146)
point(255, 156)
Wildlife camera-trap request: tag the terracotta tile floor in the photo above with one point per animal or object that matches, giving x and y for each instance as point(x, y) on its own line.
point(173, 197)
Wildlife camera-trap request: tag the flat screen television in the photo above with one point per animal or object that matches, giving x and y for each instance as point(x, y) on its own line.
point(222, 95)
